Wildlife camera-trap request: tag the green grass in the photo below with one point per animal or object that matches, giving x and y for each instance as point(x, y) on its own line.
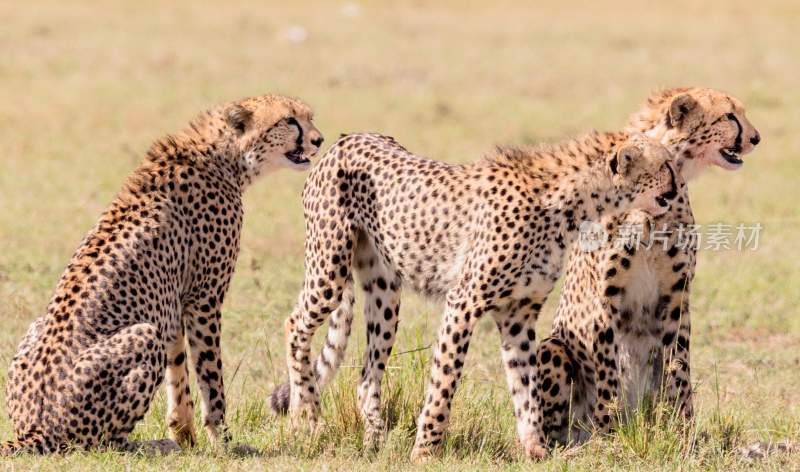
point(85, 87)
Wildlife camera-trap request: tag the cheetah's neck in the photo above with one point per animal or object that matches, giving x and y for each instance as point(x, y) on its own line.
point(573, 178)
point(204, 147)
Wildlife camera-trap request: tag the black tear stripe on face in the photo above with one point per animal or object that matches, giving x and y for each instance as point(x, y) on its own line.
point(737, 144)
point(293, 122)
point(673, 192)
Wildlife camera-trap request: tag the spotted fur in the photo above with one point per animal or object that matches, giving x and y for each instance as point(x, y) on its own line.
point(486, 238)
point(622, 327)
point(148, 278)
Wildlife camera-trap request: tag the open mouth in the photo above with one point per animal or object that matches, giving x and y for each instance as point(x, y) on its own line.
point(732, 156)
point(297, 156)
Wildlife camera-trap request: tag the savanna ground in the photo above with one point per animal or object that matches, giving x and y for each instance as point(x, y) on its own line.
point(85, 87)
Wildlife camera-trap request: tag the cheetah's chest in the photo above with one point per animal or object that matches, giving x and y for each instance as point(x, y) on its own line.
point(638, 343)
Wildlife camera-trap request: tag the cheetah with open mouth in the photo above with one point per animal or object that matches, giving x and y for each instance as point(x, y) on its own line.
point(148, 278)
point(622, 327)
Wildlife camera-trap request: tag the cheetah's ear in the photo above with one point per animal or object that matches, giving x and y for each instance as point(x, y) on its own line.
point(679, 108)
point(238, 118)
point(620, 162)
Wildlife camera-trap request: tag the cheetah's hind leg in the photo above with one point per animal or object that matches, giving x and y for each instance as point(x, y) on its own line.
point(115, 381)
point(381, 310)
point(331, 356)
point(562, 391)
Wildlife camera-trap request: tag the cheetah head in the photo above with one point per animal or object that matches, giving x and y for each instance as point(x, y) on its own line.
point(272, 132)
point(700, 127)
point(642, 169)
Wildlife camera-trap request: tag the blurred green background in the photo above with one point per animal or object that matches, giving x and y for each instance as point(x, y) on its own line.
point(85, 87)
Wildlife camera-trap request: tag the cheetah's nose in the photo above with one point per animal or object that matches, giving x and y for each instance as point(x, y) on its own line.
point(755, 139)
point(317, 141)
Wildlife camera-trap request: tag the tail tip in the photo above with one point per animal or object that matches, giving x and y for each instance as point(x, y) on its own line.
point(279, 399)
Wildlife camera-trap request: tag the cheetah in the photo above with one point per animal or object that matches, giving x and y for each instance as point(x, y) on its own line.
point(622, 325)
point(486, 238)
point(148, 278)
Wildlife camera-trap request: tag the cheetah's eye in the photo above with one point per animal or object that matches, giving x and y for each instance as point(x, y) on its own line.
point(730, 116)
point(292, 121)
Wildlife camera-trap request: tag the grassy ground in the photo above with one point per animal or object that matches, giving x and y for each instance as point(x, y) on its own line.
point(84, 88)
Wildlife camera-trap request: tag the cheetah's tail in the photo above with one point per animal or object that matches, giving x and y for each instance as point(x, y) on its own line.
point(30, 443)
point(332, 353)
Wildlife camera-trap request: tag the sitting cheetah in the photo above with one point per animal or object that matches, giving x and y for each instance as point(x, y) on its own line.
point(486, 238)
point(622, 324)
point(150, 276)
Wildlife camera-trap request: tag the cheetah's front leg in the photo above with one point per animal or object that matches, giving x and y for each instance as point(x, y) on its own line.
point(180, 408)
point(449, 353)
point(203, 330)
point(605, 349)
point(676, 329)
point(517, 331)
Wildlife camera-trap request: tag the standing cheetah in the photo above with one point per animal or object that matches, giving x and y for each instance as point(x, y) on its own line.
point(150, 276)
point(622, 324)
point(486, 238)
